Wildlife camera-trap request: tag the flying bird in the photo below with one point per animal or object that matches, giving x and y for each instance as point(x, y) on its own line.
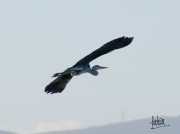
point(82, 66)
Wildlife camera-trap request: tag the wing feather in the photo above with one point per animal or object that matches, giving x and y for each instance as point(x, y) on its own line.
point(59, 84)
point(106, 48)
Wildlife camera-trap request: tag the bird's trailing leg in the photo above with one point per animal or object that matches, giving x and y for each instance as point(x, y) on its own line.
point(67, 71)
point(56, 74)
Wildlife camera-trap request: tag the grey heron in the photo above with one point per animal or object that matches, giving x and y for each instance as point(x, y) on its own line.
point(82, 66)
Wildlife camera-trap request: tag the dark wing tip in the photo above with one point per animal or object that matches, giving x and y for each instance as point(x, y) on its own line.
point(130, 39)
point(53, 88)
point(120, 42)
point(127, 40)
point(59, 84)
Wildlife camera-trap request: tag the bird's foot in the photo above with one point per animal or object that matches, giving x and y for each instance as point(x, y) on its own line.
point(56, 74)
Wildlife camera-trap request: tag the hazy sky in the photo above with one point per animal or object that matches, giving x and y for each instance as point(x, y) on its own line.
point(41, 37)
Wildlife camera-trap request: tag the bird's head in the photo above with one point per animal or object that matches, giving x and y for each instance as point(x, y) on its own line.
point(97, 67)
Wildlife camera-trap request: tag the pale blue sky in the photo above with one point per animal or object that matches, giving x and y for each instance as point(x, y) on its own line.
point(41, 37)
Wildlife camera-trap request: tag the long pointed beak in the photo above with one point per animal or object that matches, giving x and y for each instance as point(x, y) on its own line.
point(103, 67)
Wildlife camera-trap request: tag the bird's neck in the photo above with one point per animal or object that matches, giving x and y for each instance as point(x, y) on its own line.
point(93, 71)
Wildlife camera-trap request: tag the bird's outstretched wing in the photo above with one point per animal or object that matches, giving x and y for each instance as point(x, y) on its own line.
point(106, 48)
point(59, 84)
